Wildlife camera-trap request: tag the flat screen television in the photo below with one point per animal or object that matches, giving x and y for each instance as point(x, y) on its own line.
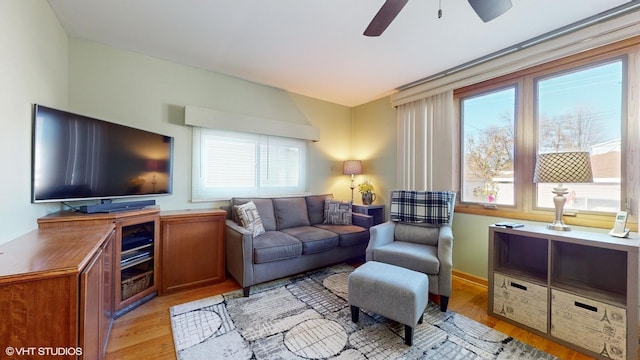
point(76, 157)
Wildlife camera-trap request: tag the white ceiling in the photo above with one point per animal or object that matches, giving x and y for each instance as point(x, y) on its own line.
point(315, 47)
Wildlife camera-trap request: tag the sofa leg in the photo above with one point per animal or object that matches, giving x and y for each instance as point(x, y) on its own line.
point(245, 291)
point(444, 302)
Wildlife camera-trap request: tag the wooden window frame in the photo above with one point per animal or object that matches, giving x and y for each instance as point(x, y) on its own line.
point(524, 208)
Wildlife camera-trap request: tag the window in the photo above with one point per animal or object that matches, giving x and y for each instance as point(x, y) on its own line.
point(573, 104)
point(488, 147)
point(581, 110)
point(227, 164)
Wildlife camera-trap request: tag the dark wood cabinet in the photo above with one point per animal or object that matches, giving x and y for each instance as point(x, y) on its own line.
point(192, 248)
point(51, 292)
point(91, 282)
point(134, 270)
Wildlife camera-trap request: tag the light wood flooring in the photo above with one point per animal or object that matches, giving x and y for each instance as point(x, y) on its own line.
point(145, 332)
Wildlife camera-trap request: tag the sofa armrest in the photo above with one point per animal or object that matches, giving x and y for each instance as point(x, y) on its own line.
point(379, 235)
point(445, 256)
point(239, 253)
point(362, 220)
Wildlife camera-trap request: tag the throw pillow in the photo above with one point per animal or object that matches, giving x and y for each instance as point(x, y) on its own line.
point(249, 218)
point(337, 212)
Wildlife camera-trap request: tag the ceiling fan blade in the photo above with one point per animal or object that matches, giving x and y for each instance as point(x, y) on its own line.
point(489, 10)
point(384, 17)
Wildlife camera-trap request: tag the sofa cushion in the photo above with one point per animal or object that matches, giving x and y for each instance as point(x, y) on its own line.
point(349, 235)
point(315, 208)
point(274, 246)
point(314, 239)
point(265, 209)
point(290, 212)
point(337, 212)
point(249, 217)
point(412, 256)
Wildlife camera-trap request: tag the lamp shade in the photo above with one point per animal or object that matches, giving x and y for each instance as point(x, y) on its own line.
point(563, 167)
point(352, 167)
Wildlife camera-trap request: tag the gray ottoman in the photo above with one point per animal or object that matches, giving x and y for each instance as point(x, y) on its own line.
point(394, 292)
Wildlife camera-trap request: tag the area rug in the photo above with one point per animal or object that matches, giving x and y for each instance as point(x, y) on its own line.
point(308, 317)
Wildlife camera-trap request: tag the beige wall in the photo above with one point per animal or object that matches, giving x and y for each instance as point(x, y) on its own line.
point(374, 141)
point(33, 69)
point(150, 93)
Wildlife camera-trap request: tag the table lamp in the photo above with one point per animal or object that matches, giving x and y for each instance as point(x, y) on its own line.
point(562, 167)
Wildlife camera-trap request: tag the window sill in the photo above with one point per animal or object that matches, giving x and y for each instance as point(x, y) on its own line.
point(587, 220)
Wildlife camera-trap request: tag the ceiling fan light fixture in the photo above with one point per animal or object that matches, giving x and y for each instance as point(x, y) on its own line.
point(489, 10)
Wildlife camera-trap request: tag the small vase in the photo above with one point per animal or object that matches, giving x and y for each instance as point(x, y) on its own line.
point(368, 198)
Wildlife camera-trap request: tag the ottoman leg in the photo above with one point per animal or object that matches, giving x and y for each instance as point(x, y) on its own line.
point(408, 335)
point(421, 318)
point(355, 313)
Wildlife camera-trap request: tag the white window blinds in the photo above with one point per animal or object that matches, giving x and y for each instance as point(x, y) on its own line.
point(228, 164)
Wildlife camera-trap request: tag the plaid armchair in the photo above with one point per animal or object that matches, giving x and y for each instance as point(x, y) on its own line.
point(418, 237)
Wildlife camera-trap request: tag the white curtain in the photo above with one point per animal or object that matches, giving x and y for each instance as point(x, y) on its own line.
point(428, 144)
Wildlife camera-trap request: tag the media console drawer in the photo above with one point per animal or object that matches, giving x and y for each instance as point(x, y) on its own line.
point(520, 301)
point(590, 324)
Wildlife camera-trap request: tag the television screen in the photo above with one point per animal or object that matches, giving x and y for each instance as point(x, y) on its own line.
point(75, 157)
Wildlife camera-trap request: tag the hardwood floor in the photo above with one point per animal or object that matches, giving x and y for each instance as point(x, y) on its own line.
point(145, 332)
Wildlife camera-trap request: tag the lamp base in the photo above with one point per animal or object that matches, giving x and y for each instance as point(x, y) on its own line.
point(558, 202)
point(559, 226)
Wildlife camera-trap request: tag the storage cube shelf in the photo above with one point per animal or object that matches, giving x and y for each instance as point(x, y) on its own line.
point(577, 288)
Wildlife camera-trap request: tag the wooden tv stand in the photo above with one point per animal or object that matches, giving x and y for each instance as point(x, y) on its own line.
point(576, 288)
point(135, 266)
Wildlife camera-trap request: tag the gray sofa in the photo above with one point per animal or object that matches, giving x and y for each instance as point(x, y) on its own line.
point(296, 239)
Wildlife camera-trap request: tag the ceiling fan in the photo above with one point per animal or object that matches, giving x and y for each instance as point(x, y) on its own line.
point(486, 10)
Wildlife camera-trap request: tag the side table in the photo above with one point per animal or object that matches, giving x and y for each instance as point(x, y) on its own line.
point(377, 211)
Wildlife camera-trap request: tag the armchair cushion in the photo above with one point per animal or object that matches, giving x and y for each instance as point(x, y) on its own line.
point(409, 255)
point(433, 207)
point(416, 234)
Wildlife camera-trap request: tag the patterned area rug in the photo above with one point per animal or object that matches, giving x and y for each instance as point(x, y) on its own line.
point(308, 317)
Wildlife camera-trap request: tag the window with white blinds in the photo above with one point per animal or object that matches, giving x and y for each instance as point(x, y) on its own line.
point(230, 164)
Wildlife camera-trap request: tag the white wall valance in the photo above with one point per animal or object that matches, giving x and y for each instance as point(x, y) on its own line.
point(526, 55)
point(223, 120)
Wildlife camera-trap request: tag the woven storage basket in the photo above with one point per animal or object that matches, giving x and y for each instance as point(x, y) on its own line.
point(135, 284)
